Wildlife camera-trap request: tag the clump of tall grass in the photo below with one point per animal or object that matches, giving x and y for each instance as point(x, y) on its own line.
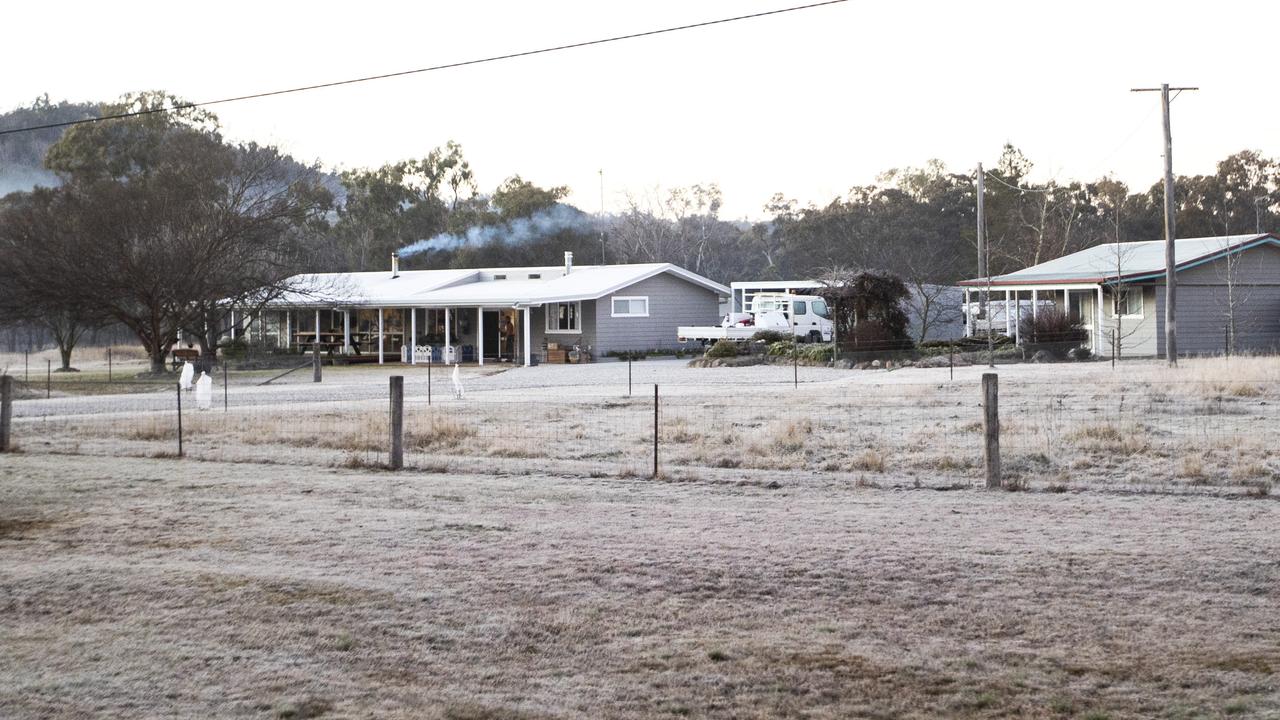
point(1110, 438)
point(438, 432)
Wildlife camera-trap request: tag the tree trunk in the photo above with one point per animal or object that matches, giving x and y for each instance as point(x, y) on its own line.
point(208, 350)
point(65, 352)
point(157, 360)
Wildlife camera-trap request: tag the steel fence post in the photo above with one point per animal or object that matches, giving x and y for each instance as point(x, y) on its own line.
point(6, 412)
point(655, 430)
point(179, 387)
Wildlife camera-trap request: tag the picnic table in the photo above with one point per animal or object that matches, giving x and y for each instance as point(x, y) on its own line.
point(182, 355)
point(332, 340)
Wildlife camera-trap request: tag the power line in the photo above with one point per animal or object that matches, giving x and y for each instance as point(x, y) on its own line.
point(447, 66)
point(1017, 187)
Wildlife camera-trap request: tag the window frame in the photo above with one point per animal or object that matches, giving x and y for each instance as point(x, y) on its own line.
point(547, 313)
point(613, 311)
point(1128, 291)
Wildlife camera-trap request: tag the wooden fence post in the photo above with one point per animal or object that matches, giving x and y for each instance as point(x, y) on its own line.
point(6, 411)
point(315, 358)
point(397, 423)
point(991, 428)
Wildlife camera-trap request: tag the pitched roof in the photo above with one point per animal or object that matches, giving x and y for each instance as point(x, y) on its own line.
point(1130, 261)
point(484, 286)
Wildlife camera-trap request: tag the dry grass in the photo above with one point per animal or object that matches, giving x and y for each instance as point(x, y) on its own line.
point(1192, 468)
point(214, 590)
point(868, 461)
point(1097, 433)
point(1110, 438)
point(436, 432)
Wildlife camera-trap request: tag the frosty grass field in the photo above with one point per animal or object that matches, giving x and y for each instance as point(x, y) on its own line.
point(819, 552)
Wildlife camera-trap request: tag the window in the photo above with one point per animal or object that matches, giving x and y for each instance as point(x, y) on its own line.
point(564, 318)
point(630, 307)
point(820, 308)
point(801, 307)
point(1128, 301)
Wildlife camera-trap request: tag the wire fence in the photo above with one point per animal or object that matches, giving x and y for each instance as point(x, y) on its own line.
point(1111, 434)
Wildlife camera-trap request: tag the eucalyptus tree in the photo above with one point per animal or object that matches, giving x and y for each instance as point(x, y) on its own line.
point(175, 228)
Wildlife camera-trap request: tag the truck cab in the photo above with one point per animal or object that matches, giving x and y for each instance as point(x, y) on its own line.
point(807, 315)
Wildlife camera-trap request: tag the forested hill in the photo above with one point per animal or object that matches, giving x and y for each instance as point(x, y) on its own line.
point(916, 222)
point(22, 154)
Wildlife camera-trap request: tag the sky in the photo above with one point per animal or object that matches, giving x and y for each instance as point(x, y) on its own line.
point(808, 104)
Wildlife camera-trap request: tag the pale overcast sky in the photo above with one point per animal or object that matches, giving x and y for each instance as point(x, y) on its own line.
point(808, 103)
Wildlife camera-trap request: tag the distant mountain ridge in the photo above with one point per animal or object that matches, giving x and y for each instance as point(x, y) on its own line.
point(22, 154)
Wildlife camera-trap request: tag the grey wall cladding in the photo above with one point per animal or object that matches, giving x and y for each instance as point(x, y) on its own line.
point(672, 302)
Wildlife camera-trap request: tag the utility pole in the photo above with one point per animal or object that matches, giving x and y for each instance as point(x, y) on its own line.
point(985, 295)
point(601, 216)
point(1170, 228)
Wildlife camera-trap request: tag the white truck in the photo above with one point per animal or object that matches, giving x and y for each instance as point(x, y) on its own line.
point(805, 316)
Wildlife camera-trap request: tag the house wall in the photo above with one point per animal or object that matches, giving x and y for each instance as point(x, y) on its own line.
point(539, 337)
point(672, 302)
point(1204, 311)
point(1137, 336)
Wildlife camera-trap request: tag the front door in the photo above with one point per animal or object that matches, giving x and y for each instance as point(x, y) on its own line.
point(492, 347)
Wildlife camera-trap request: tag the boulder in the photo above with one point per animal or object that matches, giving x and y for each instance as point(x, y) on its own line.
point(1041, 356)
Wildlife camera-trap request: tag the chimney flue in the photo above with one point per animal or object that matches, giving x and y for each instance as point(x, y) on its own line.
point(395, 265)
point(568, 262)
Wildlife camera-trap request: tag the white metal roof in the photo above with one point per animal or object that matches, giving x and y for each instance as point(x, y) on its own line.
point(439, 288)
point(1114, 261)
point(783, 284)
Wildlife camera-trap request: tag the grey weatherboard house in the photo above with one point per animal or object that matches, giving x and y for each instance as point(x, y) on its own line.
point(1228, 295)
point(489, 314)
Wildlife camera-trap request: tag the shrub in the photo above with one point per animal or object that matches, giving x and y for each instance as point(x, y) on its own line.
point(236, 349)
point(1053, 331)
point(780, 348)
point(770, 336)
point(723, 349)
point(822, 352)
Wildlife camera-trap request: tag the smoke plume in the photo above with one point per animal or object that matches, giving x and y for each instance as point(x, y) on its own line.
point(519, 231)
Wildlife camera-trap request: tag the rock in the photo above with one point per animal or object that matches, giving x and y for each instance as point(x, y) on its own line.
point(876, 364)
point(1041, 356)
